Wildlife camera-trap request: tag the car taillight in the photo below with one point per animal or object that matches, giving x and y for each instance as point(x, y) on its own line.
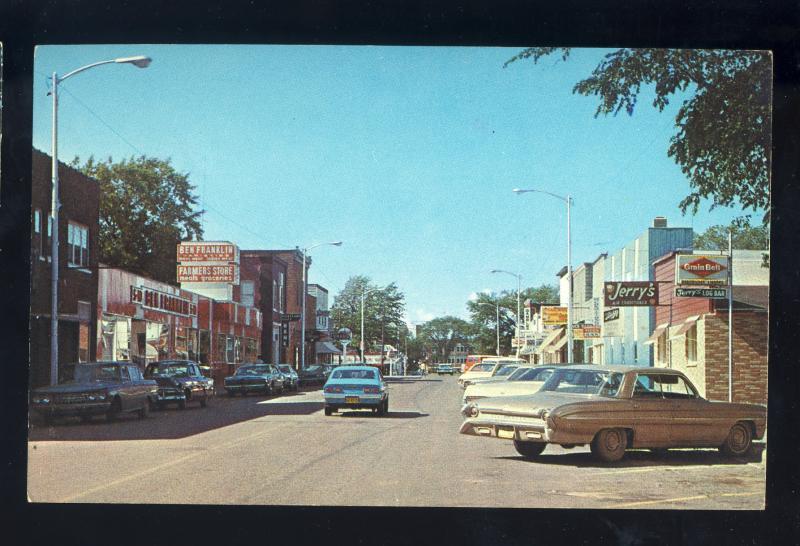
point(371, 390)
point(333, 388)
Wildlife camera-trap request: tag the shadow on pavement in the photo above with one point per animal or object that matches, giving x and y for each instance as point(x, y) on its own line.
point(645, 458)
point(388, 380)
point(390, 415)
point(171, 423)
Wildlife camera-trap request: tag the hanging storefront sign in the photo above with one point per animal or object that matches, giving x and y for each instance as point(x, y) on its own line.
point(161, 301)
point(586, 332)
point(612, 326)
point(207, 251)
point(715, 293)
point(695, 269)
point(553, 316)
point(284, 334)
point(290, 317)
point(630, 293)
point(227, 273)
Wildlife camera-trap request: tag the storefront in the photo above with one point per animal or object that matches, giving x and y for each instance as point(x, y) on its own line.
point(142, 320)
point(229, 335)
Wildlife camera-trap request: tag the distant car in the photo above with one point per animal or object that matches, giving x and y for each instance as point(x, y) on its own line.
point(312, 375)
point(96, 388)
point(500, 373)
point(523, 380)
point(291, 381)
point(179, 382)
point(612, 408)
point(263, 378)
point(442, 369)
point(487, 367)
point(356, 387)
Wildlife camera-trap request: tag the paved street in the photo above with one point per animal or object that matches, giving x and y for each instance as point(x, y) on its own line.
point(283, 450)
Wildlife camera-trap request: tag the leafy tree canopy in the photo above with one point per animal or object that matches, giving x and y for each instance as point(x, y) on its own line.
point(744, 237)
point(440, 335)
point(146, 209)
point(382, 307)
point(722, 143)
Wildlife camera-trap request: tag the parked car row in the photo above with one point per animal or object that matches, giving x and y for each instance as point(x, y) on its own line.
point(609, 408)
point(109, 389)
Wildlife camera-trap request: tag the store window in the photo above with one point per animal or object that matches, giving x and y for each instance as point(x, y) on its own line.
point(191, 344)
point(691, 344)
point(220, 348)
point(248, 293)
point(275, 304)
point(36, 243)
point(48, 241)
point(281, 291)
point(230, 352)
point(77, 245)
point(661, 348)
point(204, 347)
point(237, 350)
point(181, 342)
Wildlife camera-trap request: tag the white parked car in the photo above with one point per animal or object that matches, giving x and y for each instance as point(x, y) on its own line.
point(524, 380)
point(488, 367)
point(501, 373)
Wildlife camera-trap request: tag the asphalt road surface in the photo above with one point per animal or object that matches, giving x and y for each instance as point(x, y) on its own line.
point(284, 451)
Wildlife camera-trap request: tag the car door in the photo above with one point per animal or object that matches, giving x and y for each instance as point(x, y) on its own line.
point(649, 413)
point(127, 390)
point(696, 422)
point(139, 385)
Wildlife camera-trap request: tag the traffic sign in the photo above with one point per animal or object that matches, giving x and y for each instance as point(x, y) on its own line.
point(715, 293)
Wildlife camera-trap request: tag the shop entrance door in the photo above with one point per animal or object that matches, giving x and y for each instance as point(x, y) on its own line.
point(276, 345)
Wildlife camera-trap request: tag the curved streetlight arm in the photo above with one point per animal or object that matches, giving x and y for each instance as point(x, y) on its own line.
point(563, 198)
point(138, 61)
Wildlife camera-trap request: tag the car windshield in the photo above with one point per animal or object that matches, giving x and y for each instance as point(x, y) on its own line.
point(354, 374)
point(97, 372)
point(252, 370)
point(483, 367)
point(575, 381)
point(610, 386)
point(531, 374)
point(167, 369)
point(505, 369)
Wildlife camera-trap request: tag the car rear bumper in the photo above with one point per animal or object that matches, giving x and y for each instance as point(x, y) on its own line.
point(248, 388)
point(72, 410)
point(363, 401)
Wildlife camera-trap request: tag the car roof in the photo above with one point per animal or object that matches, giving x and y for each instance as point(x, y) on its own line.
point(356, 367)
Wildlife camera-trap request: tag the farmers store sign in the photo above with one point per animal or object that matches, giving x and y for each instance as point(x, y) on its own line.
point(208, 273)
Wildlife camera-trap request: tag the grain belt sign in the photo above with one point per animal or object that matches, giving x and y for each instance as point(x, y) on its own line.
point(701, 270)
point(630, 293)
point(554, 316)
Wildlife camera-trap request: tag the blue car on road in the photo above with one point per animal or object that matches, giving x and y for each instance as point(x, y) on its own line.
point(356, 387)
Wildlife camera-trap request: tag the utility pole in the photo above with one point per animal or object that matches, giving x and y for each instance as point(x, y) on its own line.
point(730, 314)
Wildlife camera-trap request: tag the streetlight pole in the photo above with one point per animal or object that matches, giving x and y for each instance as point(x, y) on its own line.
point(568, 200)
point(303, 309)
point(55, 204)
point(363, 299)
point(519, 288)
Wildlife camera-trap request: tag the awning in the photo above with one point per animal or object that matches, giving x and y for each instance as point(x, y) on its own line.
point(326, 348)
point(558, 344)
point(549, 339)
point(656, 334)
point(688, 323)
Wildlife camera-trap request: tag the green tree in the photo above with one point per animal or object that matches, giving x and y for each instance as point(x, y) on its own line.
point(440, 335)
point(485, 316)
point(146, 209)
point(382, 308)
point(723, 137)
point(745, 237)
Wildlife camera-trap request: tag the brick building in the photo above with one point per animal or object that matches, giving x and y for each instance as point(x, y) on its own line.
point(279, 274)
point(692, 333)
point(78, 252)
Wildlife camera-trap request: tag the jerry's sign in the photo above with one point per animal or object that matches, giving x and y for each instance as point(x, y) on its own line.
point(630, 293)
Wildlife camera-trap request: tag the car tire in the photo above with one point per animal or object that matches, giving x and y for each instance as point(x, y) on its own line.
point(204, 401)
point(182, 404)
point(328, 411)
point(739, 441)
point(113, 412)
point(609, 444)
point(383, 409)
point(145, 411)
point(529, 450)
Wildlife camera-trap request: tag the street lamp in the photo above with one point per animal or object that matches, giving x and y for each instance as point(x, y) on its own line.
point(497, 305)
point(55, 204)
point(303, 311)
point(519, 286)
point(568, 200)
point(363, 299)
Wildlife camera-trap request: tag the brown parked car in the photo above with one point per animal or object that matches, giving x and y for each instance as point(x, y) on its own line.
point(612, 408)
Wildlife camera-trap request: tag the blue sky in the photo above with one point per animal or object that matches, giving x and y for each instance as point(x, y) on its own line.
point(407, 154)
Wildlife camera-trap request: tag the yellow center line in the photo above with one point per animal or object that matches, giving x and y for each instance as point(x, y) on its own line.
point(167, 464)
point(661, 501)
point(741, 494)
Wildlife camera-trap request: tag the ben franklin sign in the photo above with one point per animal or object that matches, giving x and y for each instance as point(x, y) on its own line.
point(630, 294)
